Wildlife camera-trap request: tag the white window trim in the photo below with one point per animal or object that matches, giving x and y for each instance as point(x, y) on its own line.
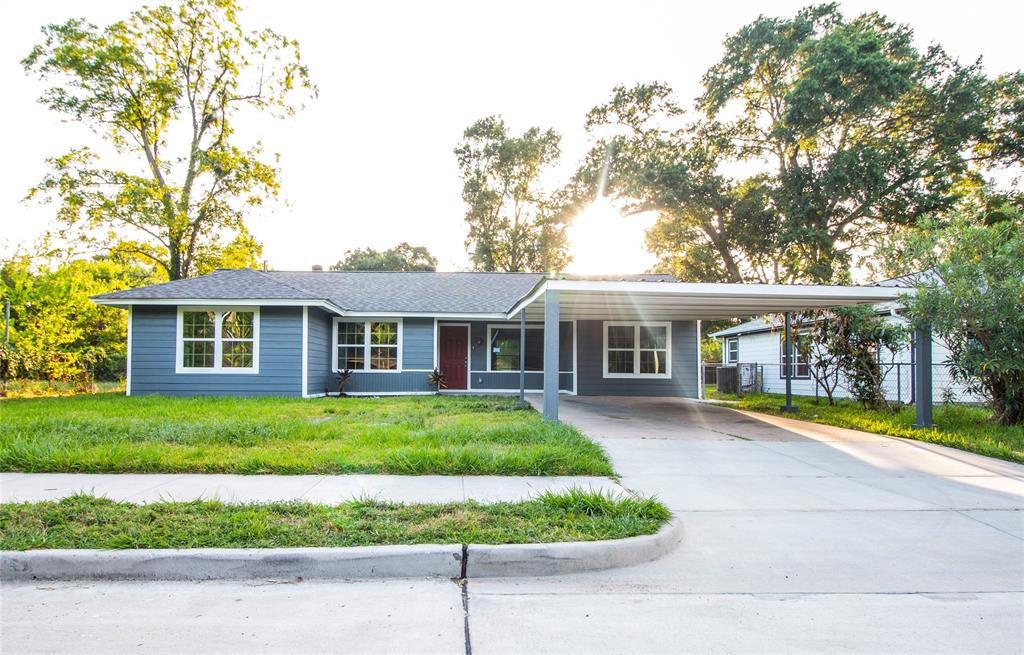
point(726, 358)
point(795, 364)
point(506, 326)
point(636, 325)
point(217, 368)
point(366, 342)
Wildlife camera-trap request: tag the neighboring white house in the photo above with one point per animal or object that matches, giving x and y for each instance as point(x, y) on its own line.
point(760, 341)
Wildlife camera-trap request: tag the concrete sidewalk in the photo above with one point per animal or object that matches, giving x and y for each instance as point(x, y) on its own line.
point(143, 488)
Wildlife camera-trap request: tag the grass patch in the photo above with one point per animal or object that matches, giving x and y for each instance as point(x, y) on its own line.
point(89, 522)
point(42, 389)
point(401, 435)
point(958, 426)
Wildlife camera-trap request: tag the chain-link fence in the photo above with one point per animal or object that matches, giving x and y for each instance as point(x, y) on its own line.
point(898, 382)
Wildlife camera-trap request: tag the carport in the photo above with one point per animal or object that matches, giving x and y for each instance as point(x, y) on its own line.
point(557, 300)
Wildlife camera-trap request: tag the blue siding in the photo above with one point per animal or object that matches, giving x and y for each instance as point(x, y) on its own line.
point(417, 354)
point(318, 362)
point(418, 343)
point(590, 357)
point(510, 381)
point(402, 382)
point(153, 351)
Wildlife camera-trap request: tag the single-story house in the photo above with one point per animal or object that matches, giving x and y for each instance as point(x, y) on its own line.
point(760, 342)
point(288, 333)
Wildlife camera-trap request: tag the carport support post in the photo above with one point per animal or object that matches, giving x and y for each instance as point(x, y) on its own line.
point(522, 356)
point(551, 354)
point(787, 362)
point(923, 376)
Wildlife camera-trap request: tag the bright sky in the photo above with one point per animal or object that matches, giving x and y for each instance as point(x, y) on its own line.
point(370, 163)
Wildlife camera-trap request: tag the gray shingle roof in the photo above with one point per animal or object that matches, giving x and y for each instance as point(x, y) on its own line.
point(359, 291)
point(756, 325)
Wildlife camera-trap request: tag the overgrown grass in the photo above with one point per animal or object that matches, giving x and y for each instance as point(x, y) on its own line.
point(410, 435)
point(89, 522)
point(958, 426)
point(43, 389)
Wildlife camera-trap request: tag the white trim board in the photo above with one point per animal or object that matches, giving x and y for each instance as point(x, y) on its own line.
point(305, 352)
point(128, 357)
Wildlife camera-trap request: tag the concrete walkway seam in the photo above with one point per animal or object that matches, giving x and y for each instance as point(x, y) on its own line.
point(404, 561)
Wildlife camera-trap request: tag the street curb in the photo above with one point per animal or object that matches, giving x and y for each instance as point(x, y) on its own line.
point(527, 560)
point(415, 561)
point(234, 564)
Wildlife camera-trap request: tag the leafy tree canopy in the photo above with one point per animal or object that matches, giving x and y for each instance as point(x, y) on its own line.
point(402, 257)
point(813, 135)
point(514, 225)
point(973, 295)
point(164, 88)
point(56, 332)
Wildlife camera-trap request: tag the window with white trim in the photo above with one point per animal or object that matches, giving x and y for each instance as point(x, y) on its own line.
point(367, 345)
point(732, 350)
point(217, 340)
point(801, 346)
point(634, 349)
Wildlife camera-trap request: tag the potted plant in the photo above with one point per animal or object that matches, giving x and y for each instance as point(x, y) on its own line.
point(437, 379)
point(343, 377)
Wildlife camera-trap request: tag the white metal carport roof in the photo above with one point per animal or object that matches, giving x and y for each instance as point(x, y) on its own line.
point(603, 300)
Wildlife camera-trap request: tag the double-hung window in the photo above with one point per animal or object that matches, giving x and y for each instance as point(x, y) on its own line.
point(732, 350)
point(367, 345)
point(640, 350)
point(801, 345)
point(217, 340)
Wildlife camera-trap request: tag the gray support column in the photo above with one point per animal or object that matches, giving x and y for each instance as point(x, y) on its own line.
point(522, 356)
point(787, 358)
point(551, 354)
point(923, 376)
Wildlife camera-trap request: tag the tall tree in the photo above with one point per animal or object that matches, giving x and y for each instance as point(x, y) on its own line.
point(514, 225)
point(973, 294)
point(402, 257)
point(814, 134)
point(164, 88)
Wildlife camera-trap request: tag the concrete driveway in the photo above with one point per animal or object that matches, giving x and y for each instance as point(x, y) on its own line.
point(798, 538)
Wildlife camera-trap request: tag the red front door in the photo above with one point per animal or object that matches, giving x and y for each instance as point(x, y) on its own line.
point(454, 355)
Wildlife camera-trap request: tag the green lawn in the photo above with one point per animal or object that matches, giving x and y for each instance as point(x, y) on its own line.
point(89, 522)
point(958, 426)
point(402, 435)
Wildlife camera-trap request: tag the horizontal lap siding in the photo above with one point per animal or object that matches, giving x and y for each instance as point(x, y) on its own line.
point(154, 334)
point(510, 381)
point(590, 356)
point(417, 361)
point(318, 361)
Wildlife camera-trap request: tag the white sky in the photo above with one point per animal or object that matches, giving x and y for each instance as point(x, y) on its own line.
point(370, 163)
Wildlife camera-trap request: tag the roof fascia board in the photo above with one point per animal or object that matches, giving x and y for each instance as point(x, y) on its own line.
point(725, 289)
point(528, 299)
point(441, 315)
point(203, 302)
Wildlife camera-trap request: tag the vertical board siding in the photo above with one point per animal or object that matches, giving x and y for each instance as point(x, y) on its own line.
point(590, 355)
point(154, 334)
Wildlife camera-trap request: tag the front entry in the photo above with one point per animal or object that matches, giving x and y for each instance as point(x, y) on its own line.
point(453, 350)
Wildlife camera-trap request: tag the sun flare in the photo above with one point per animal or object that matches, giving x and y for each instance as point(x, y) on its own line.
point(602, 240)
